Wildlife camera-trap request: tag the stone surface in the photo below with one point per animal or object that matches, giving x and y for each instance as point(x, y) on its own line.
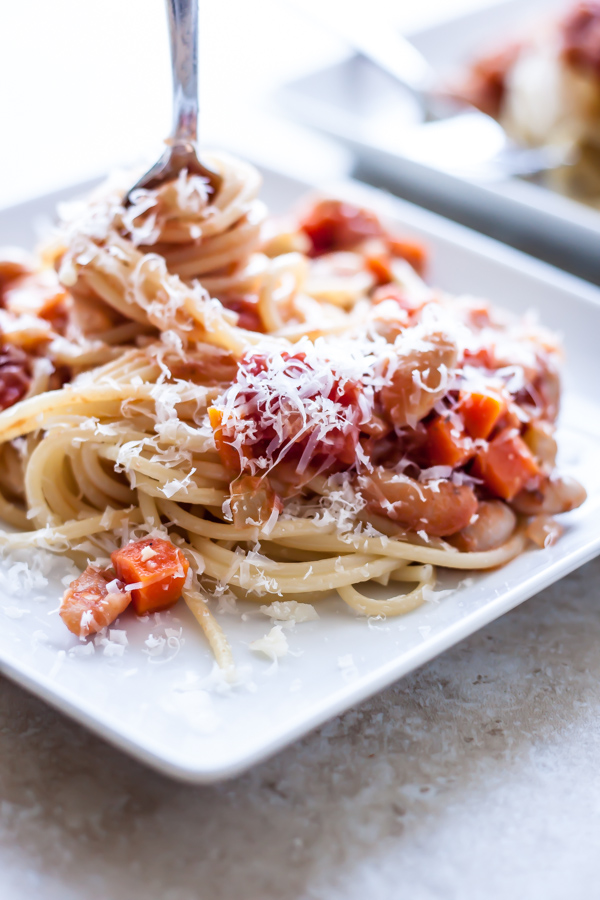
point(475, 777)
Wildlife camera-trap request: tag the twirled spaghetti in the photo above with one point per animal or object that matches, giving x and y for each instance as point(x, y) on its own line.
point(276, 409)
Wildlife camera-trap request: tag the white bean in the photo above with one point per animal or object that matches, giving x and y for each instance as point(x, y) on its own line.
point(419, 380)
point(555, 495)
point(493, 526)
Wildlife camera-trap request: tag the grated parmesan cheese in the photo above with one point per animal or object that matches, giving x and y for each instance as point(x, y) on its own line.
point(14, 612)
point(118, 636)
point(147, 553)
point(273, 645)
point(290, 611)
point(112, 648)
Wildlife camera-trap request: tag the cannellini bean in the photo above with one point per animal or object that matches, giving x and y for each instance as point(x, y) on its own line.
point(419, 380)
point(540, 439)
point(437, 507)
point(548, 389)
point(493, 526)
point(555, 495)
point(544, 531)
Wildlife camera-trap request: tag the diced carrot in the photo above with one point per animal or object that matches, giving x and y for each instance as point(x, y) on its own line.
point(380, 266)
point(215, 417)
point(229, 455)
point(158, 566)
point(447, 445)
point(481, 412)
point(413, 252)
point(479, 314)
point(506, 465)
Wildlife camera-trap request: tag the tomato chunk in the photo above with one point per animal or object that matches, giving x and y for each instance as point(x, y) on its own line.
point(581, 45)
point(506, 465)
point(253, 423)
point(486, 84)
point(158, 567)
point(481, 412)
point(336, 225)
point(447, 445)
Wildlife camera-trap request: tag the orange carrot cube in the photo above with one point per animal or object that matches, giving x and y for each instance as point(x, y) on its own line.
point(447, 445)
point(506, 465)
point(157, 567)
point(481, 412)
point(380, 266)
point(229, 455)
point(412, 251)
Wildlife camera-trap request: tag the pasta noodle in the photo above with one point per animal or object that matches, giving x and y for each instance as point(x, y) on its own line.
point(269, 408)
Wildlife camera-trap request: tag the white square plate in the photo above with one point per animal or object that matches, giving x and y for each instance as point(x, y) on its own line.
point(355, 103)
point(168, 709)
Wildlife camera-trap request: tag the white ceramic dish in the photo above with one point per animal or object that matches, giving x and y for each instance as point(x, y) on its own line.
point(356, 104)
point(168, 709)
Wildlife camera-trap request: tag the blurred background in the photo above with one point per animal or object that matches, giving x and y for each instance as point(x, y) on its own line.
point(86, 85)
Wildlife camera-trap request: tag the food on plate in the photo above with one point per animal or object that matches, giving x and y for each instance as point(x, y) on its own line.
point(544, 87)
point(199, 400)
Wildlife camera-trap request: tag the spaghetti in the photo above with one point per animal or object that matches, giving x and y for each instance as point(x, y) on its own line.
point(271, 408)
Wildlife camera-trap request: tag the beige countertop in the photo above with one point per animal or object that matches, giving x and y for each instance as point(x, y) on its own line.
point(477, 776)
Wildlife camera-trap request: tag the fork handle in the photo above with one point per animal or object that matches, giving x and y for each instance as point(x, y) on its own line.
point(183, 32)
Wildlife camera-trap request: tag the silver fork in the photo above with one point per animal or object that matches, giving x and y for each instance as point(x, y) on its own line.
point(182, 147)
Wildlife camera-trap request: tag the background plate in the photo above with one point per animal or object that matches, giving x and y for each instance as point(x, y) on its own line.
point(171, 709)
point(355, 103)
